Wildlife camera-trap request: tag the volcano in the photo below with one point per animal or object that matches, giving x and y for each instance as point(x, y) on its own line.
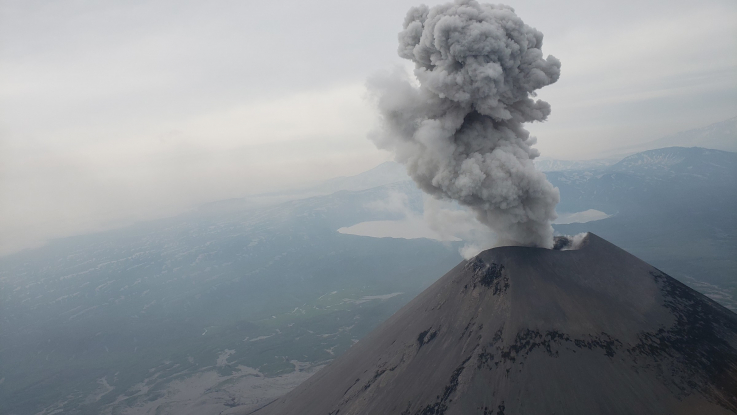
point(520, 330)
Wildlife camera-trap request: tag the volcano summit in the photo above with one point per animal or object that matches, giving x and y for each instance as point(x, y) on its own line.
point(520, 330)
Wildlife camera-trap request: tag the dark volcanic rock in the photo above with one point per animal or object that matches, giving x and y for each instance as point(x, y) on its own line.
point(535, 331)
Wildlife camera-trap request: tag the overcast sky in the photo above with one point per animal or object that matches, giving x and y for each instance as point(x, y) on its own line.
point(118, 111)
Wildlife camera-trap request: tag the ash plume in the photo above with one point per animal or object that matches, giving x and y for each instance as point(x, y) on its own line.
point(460, 131)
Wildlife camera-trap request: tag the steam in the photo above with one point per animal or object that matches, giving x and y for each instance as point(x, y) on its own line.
point(570, 243)
point(577, 241)
point(450, 222)
point(459, 132)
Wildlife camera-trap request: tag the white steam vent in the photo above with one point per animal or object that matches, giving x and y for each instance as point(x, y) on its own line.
point(569, 243)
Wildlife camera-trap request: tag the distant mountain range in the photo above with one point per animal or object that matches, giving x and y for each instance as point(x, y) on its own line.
point(547, 165)
point(645, 179)
point(719, 136)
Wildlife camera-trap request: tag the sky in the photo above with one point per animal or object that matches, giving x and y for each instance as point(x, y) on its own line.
point(122, 111)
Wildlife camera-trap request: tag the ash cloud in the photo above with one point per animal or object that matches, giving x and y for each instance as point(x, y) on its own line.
point(460, 131)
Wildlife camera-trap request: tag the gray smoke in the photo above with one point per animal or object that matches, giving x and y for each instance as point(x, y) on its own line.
point(459, 132)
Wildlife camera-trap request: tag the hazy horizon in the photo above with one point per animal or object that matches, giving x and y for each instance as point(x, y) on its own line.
point(116, 113)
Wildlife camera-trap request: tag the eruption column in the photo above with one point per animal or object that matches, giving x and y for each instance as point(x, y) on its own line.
point(460, 133)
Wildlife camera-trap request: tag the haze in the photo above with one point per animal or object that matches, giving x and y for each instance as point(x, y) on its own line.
point(119, 112)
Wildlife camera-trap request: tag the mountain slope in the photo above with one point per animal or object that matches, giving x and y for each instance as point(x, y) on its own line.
point(673, 207)
point(534, 331)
